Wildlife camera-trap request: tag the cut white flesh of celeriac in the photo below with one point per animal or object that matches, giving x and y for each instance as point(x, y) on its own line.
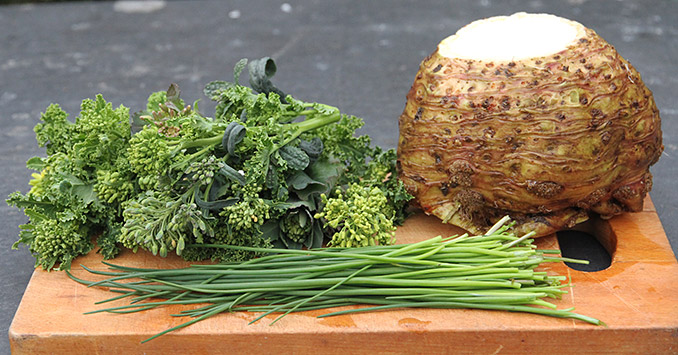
point(515, 37)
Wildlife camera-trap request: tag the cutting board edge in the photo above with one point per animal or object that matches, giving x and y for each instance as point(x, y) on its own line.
point(656, 340)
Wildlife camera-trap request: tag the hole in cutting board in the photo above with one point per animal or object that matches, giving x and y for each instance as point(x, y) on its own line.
point(581, 245)
point(593, 240)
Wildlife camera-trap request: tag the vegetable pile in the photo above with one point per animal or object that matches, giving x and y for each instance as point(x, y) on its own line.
point(494, 271)
point(267, 176)
point(532, 116)
point(268, 170)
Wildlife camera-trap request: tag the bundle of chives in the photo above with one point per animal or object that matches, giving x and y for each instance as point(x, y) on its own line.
point(494, 271)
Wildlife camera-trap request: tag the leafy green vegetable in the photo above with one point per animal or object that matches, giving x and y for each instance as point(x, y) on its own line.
point(361, 217)
point(81, 185)
point(254, 175)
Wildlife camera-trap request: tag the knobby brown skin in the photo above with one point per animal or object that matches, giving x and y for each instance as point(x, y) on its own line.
point(545, 140)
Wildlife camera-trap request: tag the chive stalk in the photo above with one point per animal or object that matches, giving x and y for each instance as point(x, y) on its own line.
point(495, 271)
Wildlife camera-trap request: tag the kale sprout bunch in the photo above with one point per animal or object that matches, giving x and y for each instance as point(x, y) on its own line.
point(260, 173)
point(80, 185)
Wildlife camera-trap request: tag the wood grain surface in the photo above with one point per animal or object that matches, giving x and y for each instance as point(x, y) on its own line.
point(637, 296)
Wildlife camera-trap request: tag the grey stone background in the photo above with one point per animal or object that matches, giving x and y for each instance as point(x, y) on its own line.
point(360, 56)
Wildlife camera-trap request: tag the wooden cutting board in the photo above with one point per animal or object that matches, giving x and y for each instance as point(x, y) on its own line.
point(637, 296)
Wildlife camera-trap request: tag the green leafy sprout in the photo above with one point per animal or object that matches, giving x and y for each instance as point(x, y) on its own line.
point(267, 170)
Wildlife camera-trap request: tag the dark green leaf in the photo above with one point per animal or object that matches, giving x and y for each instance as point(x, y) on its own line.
point(296, 158)
point(271, 178)
point(282, 193)
point(312, 148)
point(311, 190)
point(235, 136)
point(326, 170)
point(222, 110)
point(214, 88)
point(271, 230)
point(221, 191)
point(304, 218)
point(300, 181)
point(289, 244)
point(64, 186)
point(232, 174)
point(320, 178)
point(215, 189)
point(239, 66)
point(261, 71)
point(215, 205)
point(317, 236)
point(228, 140)
point(227, 133)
